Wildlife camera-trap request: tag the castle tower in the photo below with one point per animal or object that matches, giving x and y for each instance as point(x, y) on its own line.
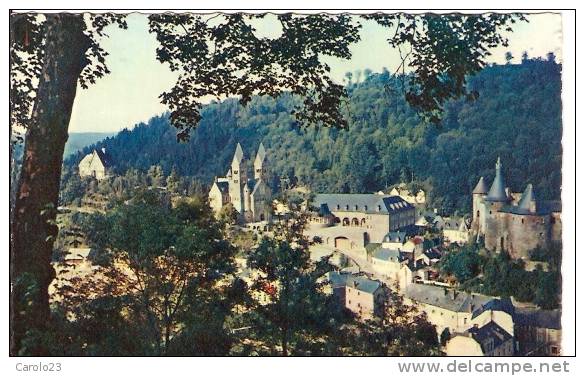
point(261, 164)
point(238, 177)
point(528, 201)
point(496, 199)
point(479, 193)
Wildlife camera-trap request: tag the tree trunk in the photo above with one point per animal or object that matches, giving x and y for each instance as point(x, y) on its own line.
point(34, 229)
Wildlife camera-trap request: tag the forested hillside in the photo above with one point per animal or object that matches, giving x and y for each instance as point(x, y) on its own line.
point(517, 117)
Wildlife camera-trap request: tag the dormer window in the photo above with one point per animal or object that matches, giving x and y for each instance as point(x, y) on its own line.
point(366, 207)
point(338, 207)
point(379, 207)
point(356, 207)
point(346, 207)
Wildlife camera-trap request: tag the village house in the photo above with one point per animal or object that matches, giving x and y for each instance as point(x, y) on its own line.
point(418, 199)
point(456, 230)
point(449, 309)
point(387, 262)
point(429, 257)
point(96, 164)
point(539, 331)
point(364, 297)
point(487, 340)
point(359, 294)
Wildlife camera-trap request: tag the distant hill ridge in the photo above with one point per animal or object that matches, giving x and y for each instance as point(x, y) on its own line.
point(516, 117)
point(78, 140)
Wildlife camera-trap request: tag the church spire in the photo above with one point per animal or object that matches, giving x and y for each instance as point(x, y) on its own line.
point(239, 154)
point(497, 191)
point(261, 154)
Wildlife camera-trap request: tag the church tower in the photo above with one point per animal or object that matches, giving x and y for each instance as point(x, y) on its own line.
point(261, 164)
point(238, 177)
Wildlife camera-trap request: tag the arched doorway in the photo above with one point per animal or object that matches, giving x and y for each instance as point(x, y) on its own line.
point(355, 222)
point(346, 221)
point(342, 243)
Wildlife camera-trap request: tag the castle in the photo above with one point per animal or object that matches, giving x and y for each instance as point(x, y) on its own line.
point(250, 197)
point(514, 222)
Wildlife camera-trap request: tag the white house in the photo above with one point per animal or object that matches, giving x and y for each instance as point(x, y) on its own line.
point(96, 164)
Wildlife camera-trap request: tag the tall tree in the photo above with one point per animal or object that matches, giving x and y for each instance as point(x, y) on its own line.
point(297, 316)
point(168, 269)
point(61, 51)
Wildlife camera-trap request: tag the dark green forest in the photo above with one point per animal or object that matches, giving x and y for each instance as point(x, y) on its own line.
point(517, 116)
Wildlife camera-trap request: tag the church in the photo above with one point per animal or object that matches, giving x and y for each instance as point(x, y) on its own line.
point(96, 164)
point(515, 222)
point(249, 194)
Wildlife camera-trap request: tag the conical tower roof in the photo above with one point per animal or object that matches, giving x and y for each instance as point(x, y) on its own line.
point(261, 154)
point(481, 187)
point(528, 199)
point(239, 154)
point(497, 191)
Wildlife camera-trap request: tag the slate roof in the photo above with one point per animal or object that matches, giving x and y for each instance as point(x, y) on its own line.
point(395, 237)
point(527, 197)
point(365, 202)
point(497, 191)
point(338, 279)
point(453, 223)
point(324, 210)
point(481, 187)
point(223, 186)
point(251, 184)
point(550, 319)
point(363, 284)
point(433, 253)
point(387, 255)
point(104, 157)
point(487, 333)
point(443, 297)
point(497, 304)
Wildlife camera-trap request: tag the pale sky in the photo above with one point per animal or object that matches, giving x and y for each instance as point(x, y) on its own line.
point(129, 94)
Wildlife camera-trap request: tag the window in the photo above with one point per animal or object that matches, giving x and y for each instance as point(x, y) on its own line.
point(346, 207)
point(356, 207)
point(366, 207)
point(337, 207)
point(522, 220)
point(236, 172)
point(465, 321)
point(554, 350)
